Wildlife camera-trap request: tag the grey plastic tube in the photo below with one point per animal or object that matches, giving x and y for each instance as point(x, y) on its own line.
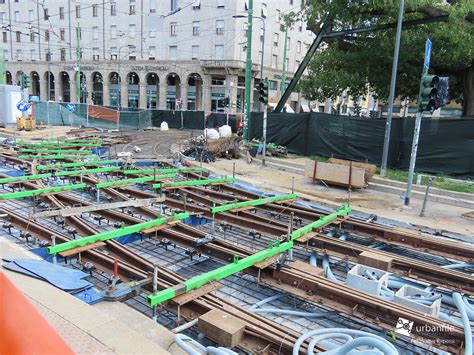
point(457, 298)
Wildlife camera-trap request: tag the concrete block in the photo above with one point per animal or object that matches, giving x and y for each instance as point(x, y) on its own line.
point(358, 278)
point(408, 295)
point(375, 260)
point(224, 329)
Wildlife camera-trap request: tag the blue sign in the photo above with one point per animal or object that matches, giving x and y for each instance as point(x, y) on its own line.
point(22, 106)
point(71, 107)
point(428, 47)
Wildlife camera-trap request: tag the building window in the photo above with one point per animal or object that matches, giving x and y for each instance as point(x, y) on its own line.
point(133, 10)
point(46, 15)
point(274, 61)
point(62, 34)
point(220, 27)
point(46, 35)
point(152, 6)
point(264, 10)
point(4, 37)
point(278, 16)
point(63, 54)
point(95, 11)
point(113, 10)
point(151, 52)
point(131, 30)
point(196, 4)
point(174, 4)
point(196, 28)
point(17, 16)
point(152, 34)
point(173, 52)
point(19, 54)
point(297, 64)
point(18, 36)
point(78, 11)
point(31, 15)
point(298, 47)
point(61, 13)
point(262, 35)
point(95, 53)
point(173, 29)
point(2, 17)
point(32, 36)
point(131, 52)
point(113, 32)
point(276, 38)
point(300, 27)
point(113, 53)
point(220, 4)
point(273, 85)
point(289, 43)
point(95, 33)
point(195, 52)
point(219, 51)
point(32, 54)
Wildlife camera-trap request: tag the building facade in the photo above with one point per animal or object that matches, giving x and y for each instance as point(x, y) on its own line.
point(150, 53)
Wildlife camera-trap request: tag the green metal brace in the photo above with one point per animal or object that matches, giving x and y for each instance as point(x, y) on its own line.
point(115, 233)
point(29, 193)
point(193, 183)
point(74, 165)
point(163, 170)
point(134, 181)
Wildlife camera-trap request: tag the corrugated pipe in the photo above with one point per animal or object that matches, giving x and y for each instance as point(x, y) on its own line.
point(458, 266)
point(364, 339)
point(458, 300)
point(192, 347)
point(327, 269)
point(313, 260)
point(255, 309)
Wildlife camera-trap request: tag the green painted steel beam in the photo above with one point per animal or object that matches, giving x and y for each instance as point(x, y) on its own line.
point(340, 211)
point(56, 145)
point(252, 203)
point(163, 170)
point(22, 194)
point(59, 151)
point(219, 273)
point(240, 265)
point(16, 179)
point(193, 183)
point(134, 181)
point(75, 165)
point(57, 157)
point(115, 233)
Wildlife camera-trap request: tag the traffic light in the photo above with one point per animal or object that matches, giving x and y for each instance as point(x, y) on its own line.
point(93, 97)
point(428, 91)
point(263, 92)
point(24, 81)
point(239, 104)
point(227, 102)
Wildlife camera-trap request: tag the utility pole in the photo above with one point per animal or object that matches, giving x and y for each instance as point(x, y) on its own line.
point(78, 63)
point(391, 97)
point(248, 72)
point(49, 79)
point(283, 74)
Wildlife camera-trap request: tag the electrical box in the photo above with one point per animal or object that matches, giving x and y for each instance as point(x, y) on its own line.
point(10, 95)
point(367, 279)
point(408, 295)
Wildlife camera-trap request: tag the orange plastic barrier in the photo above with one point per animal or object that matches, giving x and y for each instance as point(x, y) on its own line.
point(22, 329)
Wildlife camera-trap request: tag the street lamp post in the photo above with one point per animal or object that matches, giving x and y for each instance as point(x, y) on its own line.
point(263, 41)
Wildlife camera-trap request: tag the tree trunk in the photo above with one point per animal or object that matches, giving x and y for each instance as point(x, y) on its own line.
point(468, 92)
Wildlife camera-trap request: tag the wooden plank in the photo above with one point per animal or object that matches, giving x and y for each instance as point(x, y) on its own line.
point(190, 296)
point(266, 263)
point(157, 228)
point(370, 169)
point(81, 249)
point(335, 174)
point(307, 237)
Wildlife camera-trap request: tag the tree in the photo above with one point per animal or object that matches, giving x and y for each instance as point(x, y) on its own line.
point(363, 62)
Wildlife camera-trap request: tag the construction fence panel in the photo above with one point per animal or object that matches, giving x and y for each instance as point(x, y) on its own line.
point(446, 145)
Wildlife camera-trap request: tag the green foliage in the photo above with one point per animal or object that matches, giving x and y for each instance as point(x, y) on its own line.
point(365, 61)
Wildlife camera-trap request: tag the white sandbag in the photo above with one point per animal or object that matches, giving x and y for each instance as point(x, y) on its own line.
point(225, 131)
point(211, 133)
point(164, 126)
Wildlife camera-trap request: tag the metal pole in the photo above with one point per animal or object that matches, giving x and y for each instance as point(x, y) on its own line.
point(78, 63)
point(263, 49)
point(391, 98)
point(283, 74)
point(264, 151)
point(49, 81)
point(423, 208)
point(414, 148)
point(155, 289)
point(2, 67)
point(248, 71)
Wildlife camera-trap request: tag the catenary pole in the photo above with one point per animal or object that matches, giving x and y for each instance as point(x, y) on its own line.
point(248, 71)
point(391, 98)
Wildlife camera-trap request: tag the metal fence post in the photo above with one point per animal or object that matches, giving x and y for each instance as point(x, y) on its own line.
point(87, 115)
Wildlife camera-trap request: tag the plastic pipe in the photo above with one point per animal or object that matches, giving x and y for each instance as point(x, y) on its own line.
point(469, 308)
point(185, 342)
point(379, 344)
point(291, 312)
point(385, 291)
point(313, 260)
point(344, 236)
point(327, 270)
point(458, 266)
point(447, 317)
point(461, 306)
